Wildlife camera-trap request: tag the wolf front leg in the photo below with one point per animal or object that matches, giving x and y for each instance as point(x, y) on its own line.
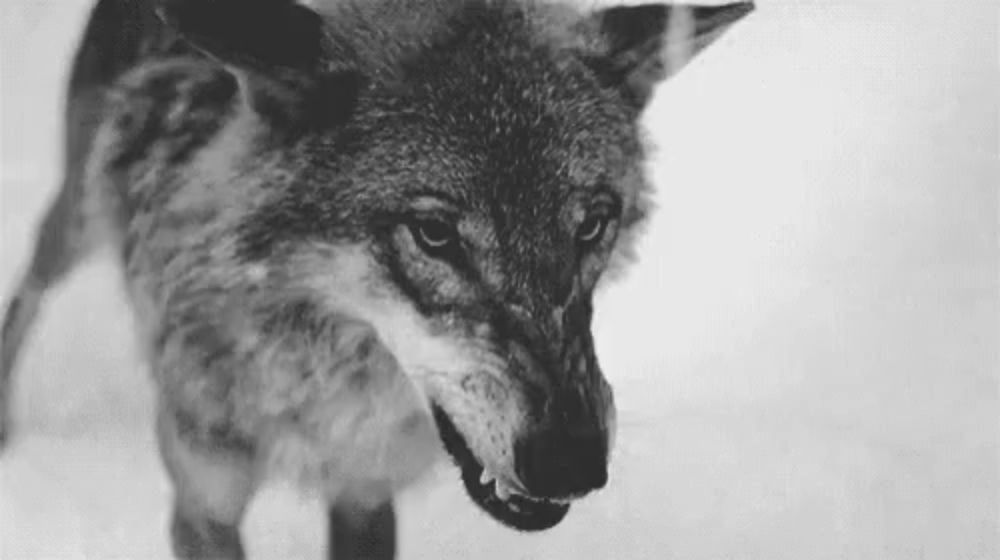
point(362, 533)
point(212, 486)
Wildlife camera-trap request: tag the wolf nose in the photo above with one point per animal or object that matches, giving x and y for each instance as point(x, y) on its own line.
point(557, 465)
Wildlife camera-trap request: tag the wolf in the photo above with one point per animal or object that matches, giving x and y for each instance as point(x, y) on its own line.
point(356, 232)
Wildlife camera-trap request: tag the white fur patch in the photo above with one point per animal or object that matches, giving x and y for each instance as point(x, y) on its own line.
point(349, 285)
point(470, 383)
point(358, 425)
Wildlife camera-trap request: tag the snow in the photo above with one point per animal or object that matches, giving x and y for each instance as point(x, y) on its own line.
point(805, 356)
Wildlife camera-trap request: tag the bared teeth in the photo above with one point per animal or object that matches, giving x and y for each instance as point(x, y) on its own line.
point(505, 490)
point(502, 491)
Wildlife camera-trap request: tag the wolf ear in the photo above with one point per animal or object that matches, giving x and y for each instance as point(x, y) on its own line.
point(278, 51)
point(633, 48)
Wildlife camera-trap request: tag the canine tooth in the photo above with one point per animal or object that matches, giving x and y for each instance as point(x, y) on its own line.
point(486, 477)
point(502, 491)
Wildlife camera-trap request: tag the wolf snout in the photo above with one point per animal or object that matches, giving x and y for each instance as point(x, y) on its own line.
point(562, 463)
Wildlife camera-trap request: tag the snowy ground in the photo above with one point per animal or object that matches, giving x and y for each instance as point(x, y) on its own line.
point(806, 357)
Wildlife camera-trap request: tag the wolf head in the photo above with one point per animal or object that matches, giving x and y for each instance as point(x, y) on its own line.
point(461, 175)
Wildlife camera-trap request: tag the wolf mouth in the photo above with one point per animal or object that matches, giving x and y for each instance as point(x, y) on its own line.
point(523, 513)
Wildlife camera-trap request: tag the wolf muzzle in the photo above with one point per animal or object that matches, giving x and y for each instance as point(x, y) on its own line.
point(565, 453)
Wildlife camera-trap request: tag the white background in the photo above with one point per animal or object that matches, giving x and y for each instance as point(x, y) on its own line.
point(805, 356)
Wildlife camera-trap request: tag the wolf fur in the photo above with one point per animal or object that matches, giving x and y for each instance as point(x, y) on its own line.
point(355, 230)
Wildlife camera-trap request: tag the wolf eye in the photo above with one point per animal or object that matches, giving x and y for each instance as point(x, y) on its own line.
point(592, 229)
point(434, 236)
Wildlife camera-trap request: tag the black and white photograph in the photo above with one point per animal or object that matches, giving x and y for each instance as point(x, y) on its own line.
point(499, 280)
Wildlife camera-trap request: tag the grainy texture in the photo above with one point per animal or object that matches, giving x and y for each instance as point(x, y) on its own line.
point(814, 313)
point(348, 239)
